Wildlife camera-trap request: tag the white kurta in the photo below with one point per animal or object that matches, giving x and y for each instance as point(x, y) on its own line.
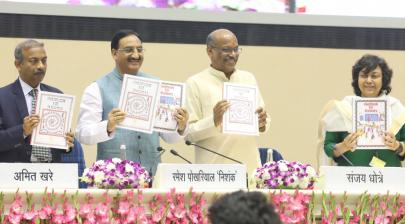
point(203, 92)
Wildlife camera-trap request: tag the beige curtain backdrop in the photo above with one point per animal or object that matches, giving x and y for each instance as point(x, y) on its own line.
point(295, 82)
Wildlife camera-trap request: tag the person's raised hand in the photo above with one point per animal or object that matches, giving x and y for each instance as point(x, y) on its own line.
point(69, 140)
point(219, 110)
point(390, 141)
point(181, 116)
point(29, 123)
point(349, 143)
point(115, 117)
point(262, 117)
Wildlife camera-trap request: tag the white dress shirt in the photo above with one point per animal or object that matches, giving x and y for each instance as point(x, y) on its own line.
point(28, 98)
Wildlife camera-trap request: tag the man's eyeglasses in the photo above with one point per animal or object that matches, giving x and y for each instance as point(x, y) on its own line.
point(236, 50)
point(131, 50)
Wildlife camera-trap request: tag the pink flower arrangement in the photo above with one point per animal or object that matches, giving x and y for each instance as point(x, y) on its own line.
point(377, 209)
point(123, 208)
point(116, 173)
point(294, 207)
point(284, 175)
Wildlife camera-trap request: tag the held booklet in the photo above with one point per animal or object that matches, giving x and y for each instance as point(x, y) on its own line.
point(371, 116)
point(55, 111)
point(241, 117)
point(139, 97)
point(172, 96)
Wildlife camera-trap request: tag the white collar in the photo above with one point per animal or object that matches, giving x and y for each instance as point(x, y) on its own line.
point(27, 88)
point(220, 74)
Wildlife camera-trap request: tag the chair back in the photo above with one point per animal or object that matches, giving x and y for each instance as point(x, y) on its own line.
point(76, 156)
point(269, 154)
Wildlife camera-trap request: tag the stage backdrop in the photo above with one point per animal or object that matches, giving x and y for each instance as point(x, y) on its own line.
point(295, 82)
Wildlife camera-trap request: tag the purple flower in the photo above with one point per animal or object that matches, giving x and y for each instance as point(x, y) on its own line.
point(111, 2)
point(116, 173)
point(284, 174)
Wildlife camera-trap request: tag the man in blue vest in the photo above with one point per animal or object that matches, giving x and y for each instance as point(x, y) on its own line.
point(99, 115)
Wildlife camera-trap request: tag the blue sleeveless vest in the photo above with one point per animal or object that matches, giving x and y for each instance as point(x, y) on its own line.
point(140, 147)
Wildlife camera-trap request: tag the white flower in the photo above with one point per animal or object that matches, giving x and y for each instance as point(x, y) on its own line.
point(295, 183)
point(98, 177)
point(129, 168)
point(256, 178)
point(304, 183)
point(282, 167)
point(311, 171)
point(85, 179)
point(276, 174)
point(117, 180)
point(100, 174)
point(110, 167)
point(85, 171)
point(141, 178)
point(119, 176)
point(266, 175)
point(99, 162)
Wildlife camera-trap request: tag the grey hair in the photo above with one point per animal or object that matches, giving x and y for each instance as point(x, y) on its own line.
point(27, 44)
point(210, 39)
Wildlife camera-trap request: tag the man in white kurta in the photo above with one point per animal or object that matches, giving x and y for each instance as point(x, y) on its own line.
point(206, 106)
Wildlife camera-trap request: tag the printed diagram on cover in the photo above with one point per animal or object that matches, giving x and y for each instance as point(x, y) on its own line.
point(138, 106)
point(239, 112)
point(372, 126)
point(55, 111)
point(164, 112)
point(138, 100)
point(240, 118)
point(53, 122)
point(171, 97)
point(370, 118)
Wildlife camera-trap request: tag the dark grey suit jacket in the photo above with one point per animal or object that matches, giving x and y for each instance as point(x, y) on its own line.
point(13, 109)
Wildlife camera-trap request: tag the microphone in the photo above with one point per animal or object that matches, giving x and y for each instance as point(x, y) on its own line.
point(174, 152)
point(211, 151)
point(161, 150)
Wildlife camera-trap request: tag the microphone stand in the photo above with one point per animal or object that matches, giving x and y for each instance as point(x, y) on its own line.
point(209, 150)
point(219, 154)
point(161, 150)
point(174, 152)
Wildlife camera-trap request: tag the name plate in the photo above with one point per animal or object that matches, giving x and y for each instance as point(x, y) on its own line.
point(39, 175)
point(370, 179)
point(200, 176)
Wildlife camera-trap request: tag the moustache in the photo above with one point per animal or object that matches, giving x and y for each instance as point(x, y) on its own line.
point(134, 59)
point(41, 72)
point(231, 59)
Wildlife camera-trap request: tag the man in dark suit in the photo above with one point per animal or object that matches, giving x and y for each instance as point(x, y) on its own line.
point(16, 101)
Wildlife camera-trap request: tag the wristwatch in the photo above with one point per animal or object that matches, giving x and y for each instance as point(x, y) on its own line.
point(400, 149)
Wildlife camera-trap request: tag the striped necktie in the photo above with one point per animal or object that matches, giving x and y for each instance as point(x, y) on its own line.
point(39, 153)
